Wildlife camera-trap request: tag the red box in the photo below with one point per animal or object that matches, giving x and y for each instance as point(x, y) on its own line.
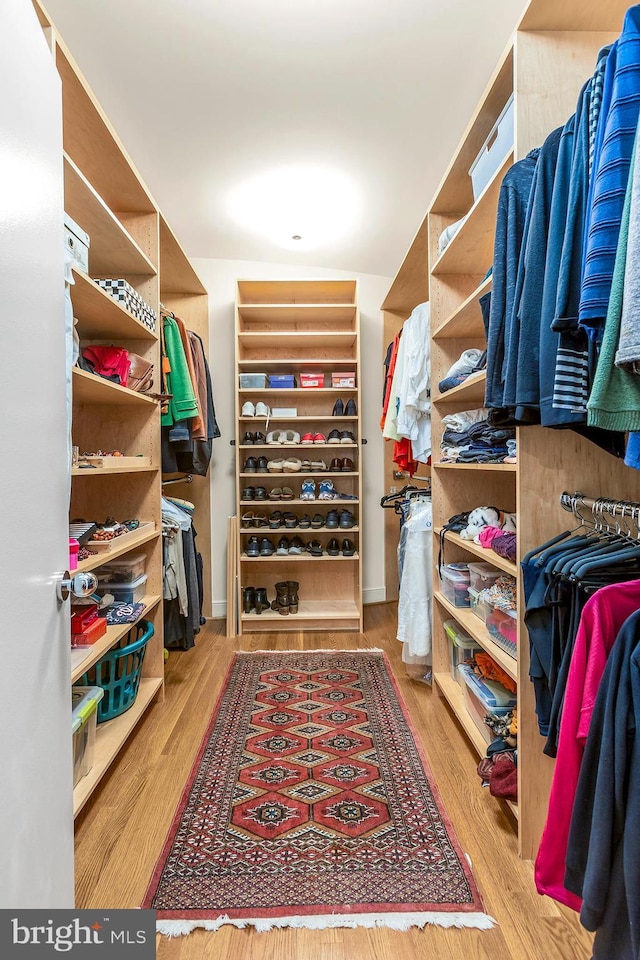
point(82, 615)
point(346, 380)
point(312, 379)
point(90, 634)
point(74, 547)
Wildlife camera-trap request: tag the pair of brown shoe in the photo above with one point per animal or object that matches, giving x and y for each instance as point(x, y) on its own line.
point(344, 465)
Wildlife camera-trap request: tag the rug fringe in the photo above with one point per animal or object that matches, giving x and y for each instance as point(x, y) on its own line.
point(393, 921)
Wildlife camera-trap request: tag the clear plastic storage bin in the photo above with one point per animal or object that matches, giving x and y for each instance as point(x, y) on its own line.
point(124, 592)
point(463, 647)
point(124, 569)
point(484, 697)
point(482, 575)
point(455, 583)
point(84, 720)
point(253, 381)
point(478, 605)
point(503, 629)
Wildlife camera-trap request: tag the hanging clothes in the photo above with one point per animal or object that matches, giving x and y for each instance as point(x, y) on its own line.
point(183, 404)
point(182, 583)
point(415, 552)
point(409, 404)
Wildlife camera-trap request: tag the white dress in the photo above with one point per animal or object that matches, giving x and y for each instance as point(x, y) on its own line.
point(415, 600)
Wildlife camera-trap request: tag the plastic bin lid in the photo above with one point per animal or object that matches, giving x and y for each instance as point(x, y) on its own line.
point(84, 700)
point(456, 571)
point(457, 635)
point(106, 582)
point(482, 568)
point(123, 562)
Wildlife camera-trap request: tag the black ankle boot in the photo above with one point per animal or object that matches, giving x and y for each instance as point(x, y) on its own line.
point(262, 601)
point(292, 587)
point(248, 599)
point(281, 602)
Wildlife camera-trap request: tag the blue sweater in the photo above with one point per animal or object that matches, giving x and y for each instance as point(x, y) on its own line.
point(614, 143)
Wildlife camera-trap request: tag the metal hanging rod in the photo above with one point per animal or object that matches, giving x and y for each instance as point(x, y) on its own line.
point(188, 478)
point(606, 514)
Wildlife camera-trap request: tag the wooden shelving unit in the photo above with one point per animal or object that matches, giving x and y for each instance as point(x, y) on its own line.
point(551, 54)
point(290, 327)
point(129, 239)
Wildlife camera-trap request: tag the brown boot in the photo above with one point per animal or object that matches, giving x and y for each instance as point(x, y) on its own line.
point(281, 602)
point(292, 586)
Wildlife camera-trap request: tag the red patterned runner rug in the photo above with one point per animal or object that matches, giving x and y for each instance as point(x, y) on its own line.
point(310, 804)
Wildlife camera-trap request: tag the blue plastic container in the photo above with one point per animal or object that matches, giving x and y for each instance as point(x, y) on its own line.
point(119, 671)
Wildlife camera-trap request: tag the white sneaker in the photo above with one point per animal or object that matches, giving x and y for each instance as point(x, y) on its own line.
point(248, 409)
point(262, 410)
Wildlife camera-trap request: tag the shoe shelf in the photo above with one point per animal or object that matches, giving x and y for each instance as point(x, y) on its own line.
point(287, 326)
point(89, 388)
point(82, 658)
point(94, 309)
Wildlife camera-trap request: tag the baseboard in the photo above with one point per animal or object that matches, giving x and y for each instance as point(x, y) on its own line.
point(375, 595)
point(219, 610)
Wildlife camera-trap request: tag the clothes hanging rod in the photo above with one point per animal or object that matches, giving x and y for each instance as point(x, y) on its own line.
point(602, 508)
point(188, 478)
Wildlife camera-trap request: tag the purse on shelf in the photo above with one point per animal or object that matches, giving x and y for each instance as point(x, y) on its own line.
point(140, 376)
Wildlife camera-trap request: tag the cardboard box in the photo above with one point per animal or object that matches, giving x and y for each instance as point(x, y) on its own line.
point(346, 380)
point(312, 379)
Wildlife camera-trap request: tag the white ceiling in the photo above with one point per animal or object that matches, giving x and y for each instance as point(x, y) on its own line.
point(206, 94)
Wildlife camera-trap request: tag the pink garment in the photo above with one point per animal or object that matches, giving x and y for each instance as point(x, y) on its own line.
point(487, 535)
point(602, 617)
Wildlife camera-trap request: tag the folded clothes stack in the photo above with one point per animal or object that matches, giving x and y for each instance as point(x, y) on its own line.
point(470, 439)
point(470, 362)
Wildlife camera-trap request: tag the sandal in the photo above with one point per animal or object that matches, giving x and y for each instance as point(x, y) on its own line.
point(275, 494)
point(260, 520)
point(247, 520)
point(318, 521)
point(315, 548)
point(304, 522)
point(290, 520)
point(292, 465)
point(287, 494)
point(275, 466)
point(275, 519)
point(318, 465)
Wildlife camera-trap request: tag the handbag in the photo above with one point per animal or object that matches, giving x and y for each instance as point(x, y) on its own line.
point(140, 376)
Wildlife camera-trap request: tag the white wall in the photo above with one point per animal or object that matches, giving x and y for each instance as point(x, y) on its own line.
point(219, 277)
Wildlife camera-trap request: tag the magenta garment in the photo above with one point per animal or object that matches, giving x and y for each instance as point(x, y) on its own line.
point(487, 535)
point(602, 617)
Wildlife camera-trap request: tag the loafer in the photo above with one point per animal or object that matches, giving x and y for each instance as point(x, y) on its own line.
point(304, 522)
point(333, 548)
point(314, 548)
point(283, 546)
point(262, 465)
point(347, 437)
point(252, 548)
point(261, 493)
point(348, 548)
point(275, 520)
point(346, 520)
point(317, 521)
point(336, 465)
point(334, 437)
point(249, 493)
point(250, 465)
point(347, 465)
point(350, 410)
point(338, 409)
point(248, 409)
point(296, 546)
point(333, 521)
point(267, 548)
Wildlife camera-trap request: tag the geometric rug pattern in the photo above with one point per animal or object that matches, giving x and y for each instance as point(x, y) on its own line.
point(311, 804)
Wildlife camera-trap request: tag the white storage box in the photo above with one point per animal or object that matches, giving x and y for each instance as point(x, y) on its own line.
point(84, 719)
point(495, 149)
point(77, 242)
point(284, 412)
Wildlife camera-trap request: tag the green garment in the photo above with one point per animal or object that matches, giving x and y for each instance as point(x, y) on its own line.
point(614, 403)
point(182, 405)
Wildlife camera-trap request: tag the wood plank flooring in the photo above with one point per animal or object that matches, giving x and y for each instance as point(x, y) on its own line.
point(120, 833)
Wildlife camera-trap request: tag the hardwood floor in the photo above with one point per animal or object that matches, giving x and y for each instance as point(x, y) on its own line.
point(120, 833)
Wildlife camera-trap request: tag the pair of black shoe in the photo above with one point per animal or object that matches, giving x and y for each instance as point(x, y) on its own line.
point(340, 409)
point(343, 520)
point(255, 600)
point(262, 547)
point(253, 465)
point(254, 493)
point(347, 547)
point(253, 438)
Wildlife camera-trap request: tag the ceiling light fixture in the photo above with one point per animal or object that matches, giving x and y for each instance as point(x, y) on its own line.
point(288, 203)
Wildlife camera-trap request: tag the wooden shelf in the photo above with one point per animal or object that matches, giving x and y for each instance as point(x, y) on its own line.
point(296, 446)
point(306, 338)
point(290, 313)
point(125, 543)
point(112, 252)
point(296, 291)
point(299, 391)
point(176, 273)
point(315, 418)
point(471, 391)
point(476, 628)
point(97, 311)
point(489, 555)
point(455, 698)
point(84, 657)
point(471, 250)
point(297, 557)
point(277, 532)
point(279, 503)
point(487, 467)
point(89, 388)
point(304, 474)
point(465, 322)
point(311, 610)
point(109, 471)
point(323, 363)
point(111, 737)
